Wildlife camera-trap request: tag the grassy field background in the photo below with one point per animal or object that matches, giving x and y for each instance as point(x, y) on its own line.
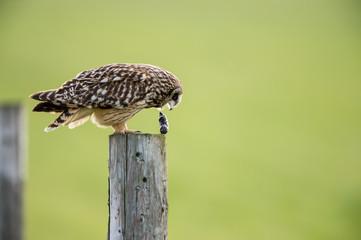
point(265, 145)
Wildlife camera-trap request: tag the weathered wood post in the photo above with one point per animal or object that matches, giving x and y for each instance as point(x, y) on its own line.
point(11, 172)
point(138, 207)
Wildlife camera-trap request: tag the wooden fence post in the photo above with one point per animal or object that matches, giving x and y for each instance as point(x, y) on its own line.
point(11, 172)
point(138, 207)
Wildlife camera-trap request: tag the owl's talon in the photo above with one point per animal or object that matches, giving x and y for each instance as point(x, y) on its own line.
point(120, 128)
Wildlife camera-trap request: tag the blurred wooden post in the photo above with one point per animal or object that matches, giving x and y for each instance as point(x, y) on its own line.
point(138, 207)
point(11, 172)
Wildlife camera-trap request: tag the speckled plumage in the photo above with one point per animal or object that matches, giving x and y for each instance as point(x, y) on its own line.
point(110, 94)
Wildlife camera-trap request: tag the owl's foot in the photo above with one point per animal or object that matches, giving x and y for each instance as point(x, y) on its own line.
point(120, 128)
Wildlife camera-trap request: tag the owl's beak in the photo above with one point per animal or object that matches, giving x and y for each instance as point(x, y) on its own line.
point(173, 104)
point(170, 105)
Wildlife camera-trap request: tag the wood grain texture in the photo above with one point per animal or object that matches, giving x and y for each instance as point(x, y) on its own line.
point(138, 206)
point(11, 172)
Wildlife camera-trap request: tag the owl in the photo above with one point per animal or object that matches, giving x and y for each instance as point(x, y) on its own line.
point(110, 95)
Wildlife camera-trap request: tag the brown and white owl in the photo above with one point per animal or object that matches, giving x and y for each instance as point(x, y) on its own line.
point(110, 95)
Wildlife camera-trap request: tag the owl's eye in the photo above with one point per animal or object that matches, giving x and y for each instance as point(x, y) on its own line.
point(175, 97)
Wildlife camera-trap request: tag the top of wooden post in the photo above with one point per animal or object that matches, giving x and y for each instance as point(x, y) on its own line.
point(138, 134)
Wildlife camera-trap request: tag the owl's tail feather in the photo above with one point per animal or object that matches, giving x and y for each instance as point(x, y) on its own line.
point(49, 107)
point(44, 95)
point(59, 121)
point(73, 117)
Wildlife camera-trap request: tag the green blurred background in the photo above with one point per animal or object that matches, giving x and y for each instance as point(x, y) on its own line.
point(265, 145)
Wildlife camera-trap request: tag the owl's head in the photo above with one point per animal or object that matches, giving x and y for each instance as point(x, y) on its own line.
point(174, 98)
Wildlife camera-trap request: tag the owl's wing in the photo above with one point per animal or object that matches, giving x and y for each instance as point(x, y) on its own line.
point(108, 92)
point(110, 86)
